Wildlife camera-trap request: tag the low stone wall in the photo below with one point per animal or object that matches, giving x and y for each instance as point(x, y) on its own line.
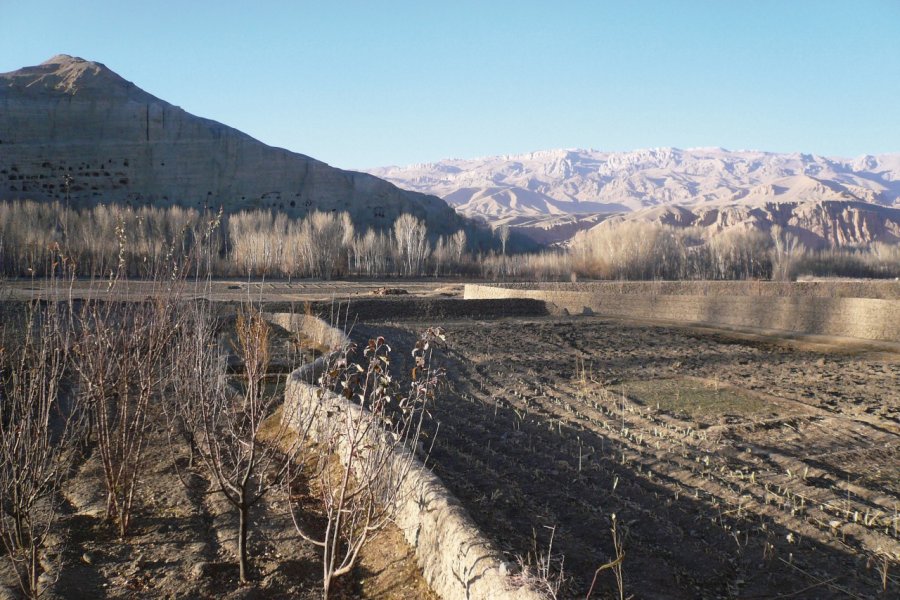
point(456, 559)
point(808, 312)
point(314, 328)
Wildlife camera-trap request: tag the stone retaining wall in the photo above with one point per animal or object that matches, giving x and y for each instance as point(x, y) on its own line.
point(314, 328)
point(742, 305)
point(457, 561)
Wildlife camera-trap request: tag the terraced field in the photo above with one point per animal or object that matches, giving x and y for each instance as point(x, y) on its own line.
point(734, 468)
point(737, 465)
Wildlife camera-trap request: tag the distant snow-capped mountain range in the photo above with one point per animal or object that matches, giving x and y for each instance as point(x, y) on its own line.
point(589, 181)
point(546, 189)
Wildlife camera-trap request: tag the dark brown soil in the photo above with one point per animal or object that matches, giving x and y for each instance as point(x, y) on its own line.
point(736, 468)
point(433, 310)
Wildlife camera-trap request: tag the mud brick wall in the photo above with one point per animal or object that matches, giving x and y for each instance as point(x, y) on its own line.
point(457, 560)
point(820, 309)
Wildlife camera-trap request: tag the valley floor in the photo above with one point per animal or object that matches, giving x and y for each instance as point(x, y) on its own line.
point(736, 465)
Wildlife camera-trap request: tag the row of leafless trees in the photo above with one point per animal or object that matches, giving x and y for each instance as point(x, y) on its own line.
point(327, 245)
point(640, 251)
point(97, 241)
point(633, 250)
point(108, 239)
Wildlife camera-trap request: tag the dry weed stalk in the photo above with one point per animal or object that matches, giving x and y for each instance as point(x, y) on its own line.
point(542, 571)
point(615, 564)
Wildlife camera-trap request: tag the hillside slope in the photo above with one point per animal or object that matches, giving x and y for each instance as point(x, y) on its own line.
point(818, 224)
point(77, 118)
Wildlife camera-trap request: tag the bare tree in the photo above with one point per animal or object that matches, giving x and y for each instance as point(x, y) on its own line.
point(739, 254)
point(373, 429)
point(39, 425)
point(223, 425)
point(254, 248)
point(324, 235)
point(628, 250)
point(458, 241)
point(440, 255)
point(370, 253)
point(503, 235)
point(787, 249)
point(411, 237)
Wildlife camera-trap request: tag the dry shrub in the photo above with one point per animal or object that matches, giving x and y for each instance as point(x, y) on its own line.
point(40, 425)
point(119, 354)
point(224, 426)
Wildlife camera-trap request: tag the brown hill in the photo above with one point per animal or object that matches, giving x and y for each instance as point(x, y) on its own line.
point(74, 120)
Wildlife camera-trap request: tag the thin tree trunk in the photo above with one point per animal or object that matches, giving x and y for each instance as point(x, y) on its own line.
point(242, 539)
point(34, 574)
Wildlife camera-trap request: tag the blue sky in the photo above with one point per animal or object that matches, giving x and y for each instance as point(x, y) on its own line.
point(369, 83)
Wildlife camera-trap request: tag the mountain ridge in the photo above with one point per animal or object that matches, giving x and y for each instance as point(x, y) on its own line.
point(592, 175)
point(552, 183)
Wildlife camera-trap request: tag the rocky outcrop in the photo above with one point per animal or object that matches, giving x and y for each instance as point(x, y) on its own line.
point(76, 121)
point(818, 224)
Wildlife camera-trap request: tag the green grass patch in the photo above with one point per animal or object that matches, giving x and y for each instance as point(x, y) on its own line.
point(697, 400)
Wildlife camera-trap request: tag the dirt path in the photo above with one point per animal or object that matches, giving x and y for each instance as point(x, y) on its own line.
point(238, 290)
point(182, 543)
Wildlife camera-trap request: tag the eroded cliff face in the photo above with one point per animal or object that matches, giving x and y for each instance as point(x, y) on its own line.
point(76, 121)
point(818, 224)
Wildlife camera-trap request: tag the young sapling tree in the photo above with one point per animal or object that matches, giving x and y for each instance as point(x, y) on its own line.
point(368, 434)
point(39, 427)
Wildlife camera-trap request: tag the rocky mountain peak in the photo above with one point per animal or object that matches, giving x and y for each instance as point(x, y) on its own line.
point(67, 59)
point(70, 75)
